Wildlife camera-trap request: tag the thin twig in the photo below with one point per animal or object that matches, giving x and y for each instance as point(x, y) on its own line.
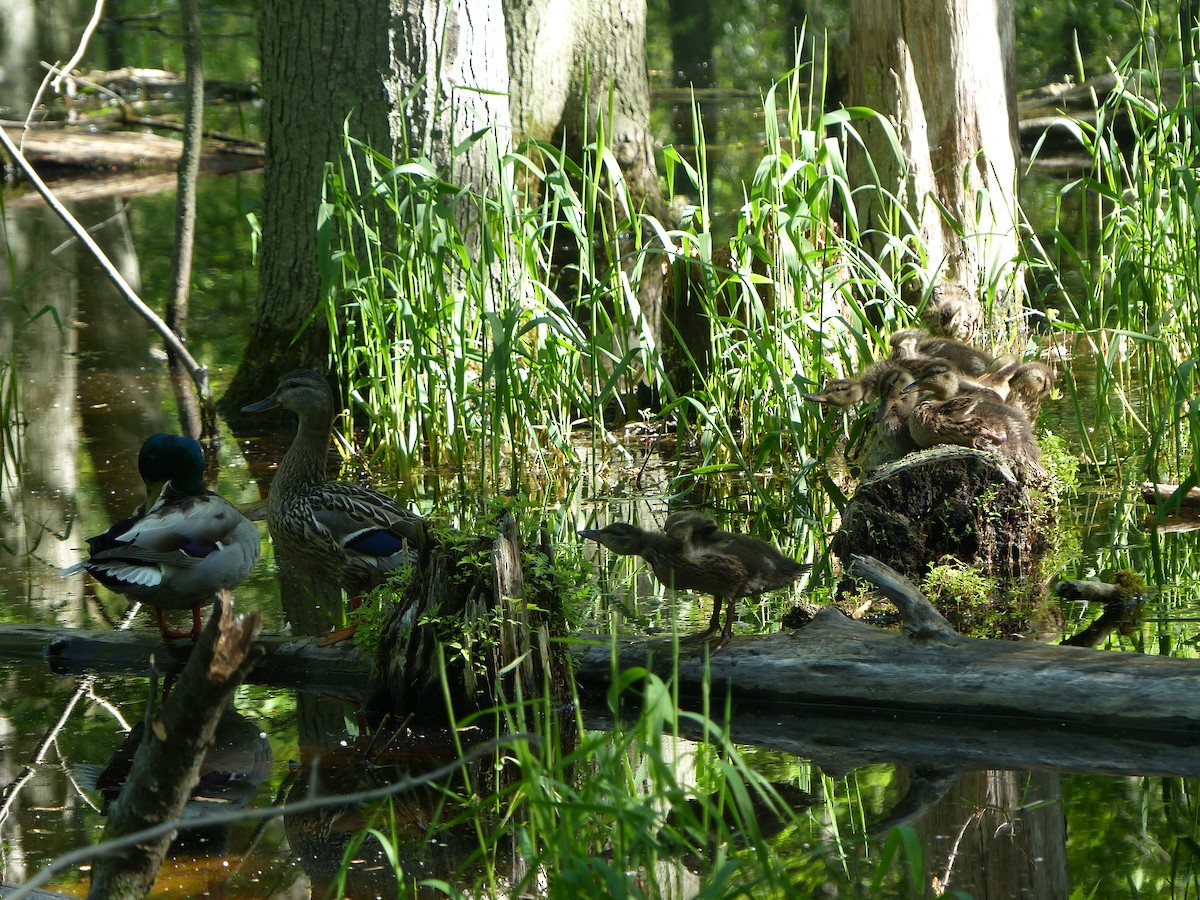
point(198, 372)
point(83, 854)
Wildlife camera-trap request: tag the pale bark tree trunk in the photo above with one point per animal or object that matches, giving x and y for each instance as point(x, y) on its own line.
point(414, 75)
point(941, 70)
point(451, 81)
point(578, 67)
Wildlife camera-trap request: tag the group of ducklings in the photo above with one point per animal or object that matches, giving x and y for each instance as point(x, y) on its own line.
point(937, 390)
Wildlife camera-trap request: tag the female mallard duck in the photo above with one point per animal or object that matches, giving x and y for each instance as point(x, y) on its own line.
point(691, 553)
point(331, 530)
point(182, 546)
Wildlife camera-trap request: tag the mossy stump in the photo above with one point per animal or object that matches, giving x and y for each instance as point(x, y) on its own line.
point(945, 501)
point(473, 628)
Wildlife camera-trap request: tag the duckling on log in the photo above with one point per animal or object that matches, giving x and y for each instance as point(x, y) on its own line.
point(691, 553)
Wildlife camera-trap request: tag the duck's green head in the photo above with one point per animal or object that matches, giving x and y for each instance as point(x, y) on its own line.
point(299, 390)
point(173, 458)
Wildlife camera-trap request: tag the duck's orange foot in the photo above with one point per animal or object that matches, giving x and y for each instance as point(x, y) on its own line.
point(170, 634)
point(337, 636)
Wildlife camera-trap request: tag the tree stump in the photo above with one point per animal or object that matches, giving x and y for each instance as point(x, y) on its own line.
point(474, 621)
point(945, 501)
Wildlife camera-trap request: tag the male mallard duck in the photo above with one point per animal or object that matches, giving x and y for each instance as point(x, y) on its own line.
point(912, 343)
point(182, 546)
point(691, 553)
point(335, 531)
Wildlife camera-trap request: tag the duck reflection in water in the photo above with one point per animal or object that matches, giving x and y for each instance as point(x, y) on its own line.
point(230, 774)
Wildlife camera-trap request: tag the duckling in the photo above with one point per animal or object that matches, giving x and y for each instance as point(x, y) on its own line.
point(691, 553)
point(941, 378)
point(973, 420)
point(846, 392)
point(895, 406)
point(840, 392)
point(182, 546)
point(912, 342)
point(1028, 386)
point(952, 311)
point(332, 531)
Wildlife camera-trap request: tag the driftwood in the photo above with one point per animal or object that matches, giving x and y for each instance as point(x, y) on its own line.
point(339, 670)
point(929, 670)
point(59, 151)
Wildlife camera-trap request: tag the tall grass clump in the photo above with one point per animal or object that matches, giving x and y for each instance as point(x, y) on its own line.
point(481, 346)
point(617, 804)
point(785, 298)
point(1138, 251)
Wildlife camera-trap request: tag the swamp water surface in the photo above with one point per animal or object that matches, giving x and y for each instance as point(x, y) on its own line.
point(88, 395)
point(88, 398)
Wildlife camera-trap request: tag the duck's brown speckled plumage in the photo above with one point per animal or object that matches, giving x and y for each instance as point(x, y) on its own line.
point(691, 553)
point(333, 530)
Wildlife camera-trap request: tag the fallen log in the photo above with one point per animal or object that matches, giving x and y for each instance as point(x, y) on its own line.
point(927, 670)
point(1155, 492)
point(297, 662)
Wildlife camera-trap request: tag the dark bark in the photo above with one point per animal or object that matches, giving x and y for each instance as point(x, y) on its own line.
point(947, 501)
point(480, 619)
point(167, 765)
point(321, 63)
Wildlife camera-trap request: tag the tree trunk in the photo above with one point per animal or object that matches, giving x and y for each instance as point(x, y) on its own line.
point(578, 74)
point(451, 81)
point(321, 64)
point(941, 70)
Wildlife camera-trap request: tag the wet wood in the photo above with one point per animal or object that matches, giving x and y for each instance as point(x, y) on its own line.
point(297, 662)
point(166, 766)
point(1157, 492)
point(926, 672)
point(945, 501)
point(476, 621)
point(59, 150)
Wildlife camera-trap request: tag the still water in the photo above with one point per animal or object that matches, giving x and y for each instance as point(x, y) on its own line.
point(90, 385)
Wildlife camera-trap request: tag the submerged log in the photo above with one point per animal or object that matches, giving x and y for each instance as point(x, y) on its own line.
point(927, 670)
point(945, 501)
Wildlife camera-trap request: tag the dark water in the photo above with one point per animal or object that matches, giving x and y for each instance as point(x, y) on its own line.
point(88, 392)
